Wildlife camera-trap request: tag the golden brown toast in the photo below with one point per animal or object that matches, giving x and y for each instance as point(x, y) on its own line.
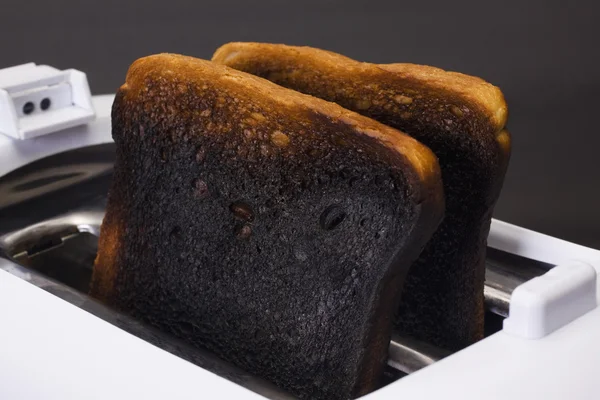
point(461, 118)
point(271, 227)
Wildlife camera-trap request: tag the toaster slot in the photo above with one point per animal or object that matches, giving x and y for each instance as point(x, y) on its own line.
point(67, 259)
point(504, 272)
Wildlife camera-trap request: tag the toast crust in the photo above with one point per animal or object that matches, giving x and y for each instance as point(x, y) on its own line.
point(273, 98)
point(471, 91)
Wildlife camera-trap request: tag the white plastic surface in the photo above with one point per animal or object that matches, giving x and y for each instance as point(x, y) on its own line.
point(61, 96)
point(537, 246)
point(16, 153)
point(561, 366)
point(25, 76)
point(24, 87)
point(543, 304)
point(52, 350)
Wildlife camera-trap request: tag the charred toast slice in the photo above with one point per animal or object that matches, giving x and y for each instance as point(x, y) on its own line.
point(461, 118)
point(268, 226)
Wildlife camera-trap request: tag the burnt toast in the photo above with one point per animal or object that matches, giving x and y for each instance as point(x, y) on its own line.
point(461, 119)
point(270, 227)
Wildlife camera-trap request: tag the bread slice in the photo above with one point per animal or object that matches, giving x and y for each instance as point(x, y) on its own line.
point(461, 118)
point(268, 226)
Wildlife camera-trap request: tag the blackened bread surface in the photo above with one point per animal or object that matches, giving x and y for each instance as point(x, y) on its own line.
point(270, 227)
point(461, 118)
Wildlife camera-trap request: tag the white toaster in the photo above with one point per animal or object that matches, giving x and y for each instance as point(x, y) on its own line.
point(542, 320)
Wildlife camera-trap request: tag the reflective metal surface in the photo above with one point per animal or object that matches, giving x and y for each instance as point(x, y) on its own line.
point(50, 216)
point(73, 181)
point(408, 355)
point(504, 272)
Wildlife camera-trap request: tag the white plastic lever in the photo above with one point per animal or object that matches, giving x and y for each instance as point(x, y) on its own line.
point(546, 303)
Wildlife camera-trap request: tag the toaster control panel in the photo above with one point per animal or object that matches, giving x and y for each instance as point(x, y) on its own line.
point(37, 100)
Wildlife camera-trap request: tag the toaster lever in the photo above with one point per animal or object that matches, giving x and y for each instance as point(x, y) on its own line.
point(544, 304)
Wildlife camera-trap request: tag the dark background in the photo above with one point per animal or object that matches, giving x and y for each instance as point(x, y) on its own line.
point(543, 55)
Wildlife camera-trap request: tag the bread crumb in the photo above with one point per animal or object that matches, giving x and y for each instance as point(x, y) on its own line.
point(243, 232)
point(280, 139)
point(258, 116)
point(456, 111)
point(403, 99)
point(265, 150)
point(200, 188)
point(200, 154)
point(363, 104)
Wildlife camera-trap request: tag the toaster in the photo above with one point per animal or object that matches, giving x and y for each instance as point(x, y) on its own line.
point(542, 322)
